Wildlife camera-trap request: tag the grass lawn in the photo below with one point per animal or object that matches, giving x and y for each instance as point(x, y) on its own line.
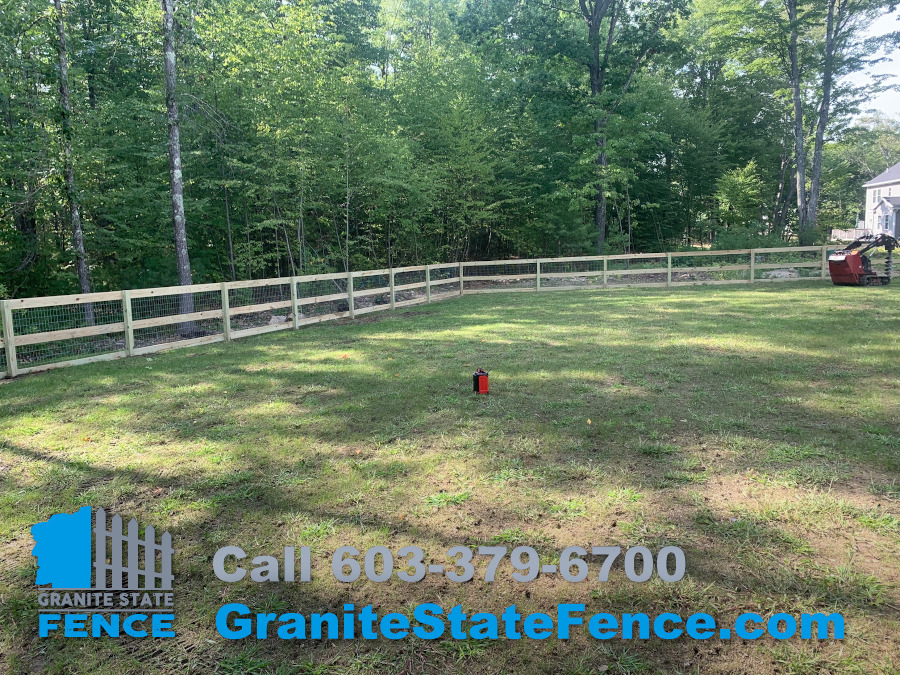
point(757, 428)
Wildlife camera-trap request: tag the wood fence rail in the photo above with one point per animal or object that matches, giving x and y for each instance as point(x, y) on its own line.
point(54, 332)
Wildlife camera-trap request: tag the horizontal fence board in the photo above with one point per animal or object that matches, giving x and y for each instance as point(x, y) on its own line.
point(500, 290)
point(259, 330)
point(407, 303)
point(789, 249)
point(384, 290)
point(176, 318)
point(501, 277)
point(53, 300)
point(408, 287)
point(443, 282)
point(588, 258)
point(173, 290)
point(55, 335)
point(264, 307)
point(784, 266)
point(479, 263)
point(373, 308)
point(322, 277)
point(568, 275)
point(193, 342)
point(112, 356)
point(321, 298)
point(652, 270)
point(370, 273)
point(768, 279)
point(416, 268)
point(323, 317)
point(257, 283)
point(688, 254)
point(444, 266)
point(711, 268)
point(634, 256)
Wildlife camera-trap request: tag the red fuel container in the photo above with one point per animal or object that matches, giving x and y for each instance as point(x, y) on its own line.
point(480, 381)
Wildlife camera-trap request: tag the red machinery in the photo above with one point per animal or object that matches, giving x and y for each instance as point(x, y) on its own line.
point(851, 267)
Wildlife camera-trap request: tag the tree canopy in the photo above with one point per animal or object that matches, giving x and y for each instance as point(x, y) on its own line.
point(324, 135)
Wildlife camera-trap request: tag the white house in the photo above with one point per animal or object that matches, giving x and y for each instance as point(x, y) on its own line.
point(883, 203)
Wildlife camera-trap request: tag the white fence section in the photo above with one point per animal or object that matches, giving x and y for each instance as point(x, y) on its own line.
point(54, 332)
point(132, 570)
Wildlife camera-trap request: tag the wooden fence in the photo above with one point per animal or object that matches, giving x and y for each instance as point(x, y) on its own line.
point(54, 332)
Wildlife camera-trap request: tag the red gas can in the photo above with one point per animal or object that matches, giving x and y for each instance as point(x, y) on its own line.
point(480, 381)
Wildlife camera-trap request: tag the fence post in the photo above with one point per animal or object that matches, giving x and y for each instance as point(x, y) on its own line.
point(668, 270)
point(128, 318)
point(391, 284)
point(538, 276)
point(752, 265)
point(226, 311)
point(295, 307)
point(350, 294)
point(427, 283)
point(461, 289)
point(825, 262)
point(9, 343)
point(605, 270)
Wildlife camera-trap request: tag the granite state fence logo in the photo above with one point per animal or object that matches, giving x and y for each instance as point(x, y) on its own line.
point(102, 582)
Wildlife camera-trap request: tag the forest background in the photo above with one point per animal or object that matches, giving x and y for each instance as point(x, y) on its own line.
point(309, 136)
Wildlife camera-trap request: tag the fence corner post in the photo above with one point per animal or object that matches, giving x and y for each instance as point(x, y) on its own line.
point(226, 311)
point(462, 290)
point(825, 262)
point(128, 319)
point(537, 278)
point(391, 284)
point(295, 306)
point(9, 342)
point(668, 270)
point(350, 295)
point(427, 283)
point(752, 265)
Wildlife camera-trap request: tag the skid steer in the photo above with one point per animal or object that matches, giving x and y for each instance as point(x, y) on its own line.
point(852, 267)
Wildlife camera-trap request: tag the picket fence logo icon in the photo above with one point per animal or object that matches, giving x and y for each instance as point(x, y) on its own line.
point(131, 573)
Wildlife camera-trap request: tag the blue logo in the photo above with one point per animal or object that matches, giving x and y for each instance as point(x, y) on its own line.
point(63, 550)
point(94, 569)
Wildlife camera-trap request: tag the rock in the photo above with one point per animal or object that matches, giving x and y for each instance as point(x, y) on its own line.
point(278, 320)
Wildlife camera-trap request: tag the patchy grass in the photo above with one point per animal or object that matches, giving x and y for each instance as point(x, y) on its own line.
point(757, 428)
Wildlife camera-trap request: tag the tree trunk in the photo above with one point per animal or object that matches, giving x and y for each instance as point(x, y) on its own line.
point(186, 303)
point(84, 280)
point(799, 134)
point(824, 113)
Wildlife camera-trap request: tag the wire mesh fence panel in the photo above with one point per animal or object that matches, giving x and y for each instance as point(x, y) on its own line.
point(53, 333)
point(372, 292)
point(445, 280)
point(53, 318)
point(320, 297)
point(403, 279)
point(710, 268)
point(786, 264)
point(572, 274)
point(3, 367)
point(500, 276)
point(272, 306)
point(636, 270)
point(156, 318)
point(45, 353)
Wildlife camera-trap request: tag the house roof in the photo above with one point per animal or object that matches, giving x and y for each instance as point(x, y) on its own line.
point(893, 201)
point(892, 175)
